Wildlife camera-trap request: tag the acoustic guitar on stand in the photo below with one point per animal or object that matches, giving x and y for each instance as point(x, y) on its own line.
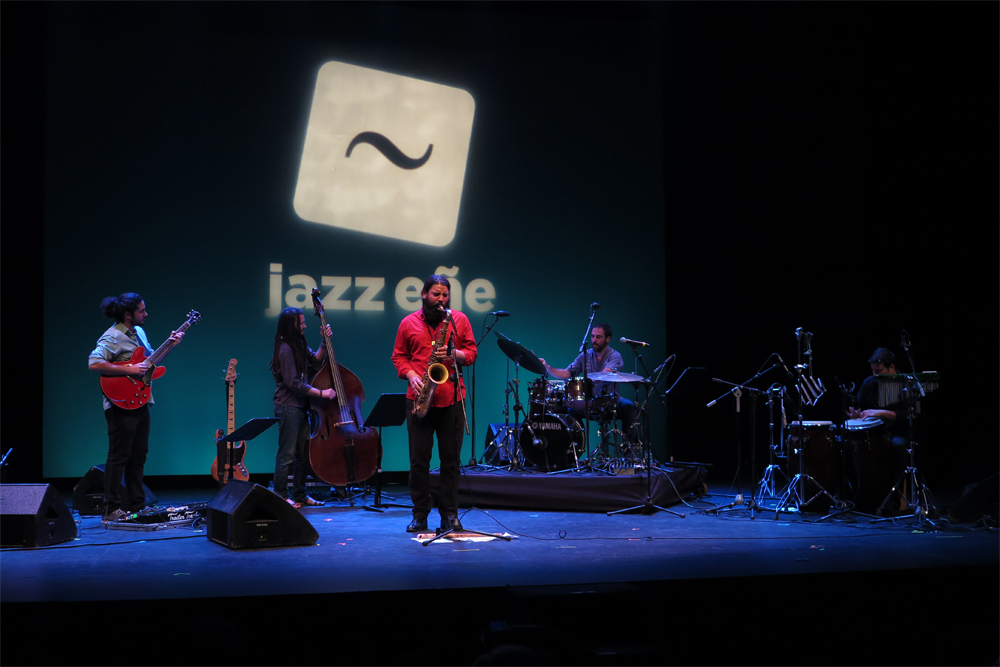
point(131, 392)
point(228, 462)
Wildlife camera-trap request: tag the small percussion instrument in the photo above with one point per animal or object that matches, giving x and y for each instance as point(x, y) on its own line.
point(551, 442)
point(892, 388)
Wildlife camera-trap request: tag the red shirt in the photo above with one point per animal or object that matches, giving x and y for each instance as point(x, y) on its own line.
point(412, 352)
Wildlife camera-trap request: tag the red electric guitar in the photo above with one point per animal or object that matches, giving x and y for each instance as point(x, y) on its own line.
point(131, 392)
point(228, 463)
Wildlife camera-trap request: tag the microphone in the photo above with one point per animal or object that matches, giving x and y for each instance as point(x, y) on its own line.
point(633, 342)
point(904, 339)
point(659, 368)
point(790, 375)
point(595, 306)
point(500, 313)
point(534, 438)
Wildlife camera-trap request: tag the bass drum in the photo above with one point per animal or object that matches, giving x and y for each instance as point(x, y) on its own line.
point(550, 441)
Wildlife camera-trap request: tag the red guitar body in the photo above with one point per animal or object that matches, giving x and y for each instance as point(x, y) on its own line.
point(131, 391)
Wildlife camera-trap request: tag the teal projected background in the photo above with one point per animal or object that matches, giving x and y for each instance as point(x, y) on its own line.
point(172, 152)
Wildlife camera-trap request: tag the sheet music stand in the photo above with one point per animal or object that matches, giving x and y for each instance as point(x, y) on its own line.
point(251, 429)
point(389, 410)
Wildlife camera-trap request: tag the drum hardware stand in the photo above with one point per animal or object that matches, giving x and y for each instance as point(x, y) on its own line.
point(918, 488)
point(765, 489)
point(496, 318)
point(647, 507)
point(513, 434)
point(806, 388)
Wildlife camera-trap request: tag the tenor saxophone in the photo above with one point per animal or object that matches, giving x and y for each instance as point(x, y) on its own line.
point(435, 374)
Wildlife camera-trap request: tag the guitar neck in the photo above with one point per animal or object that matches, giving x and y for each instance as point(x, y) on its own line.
point(160, 351)
point(232, 408)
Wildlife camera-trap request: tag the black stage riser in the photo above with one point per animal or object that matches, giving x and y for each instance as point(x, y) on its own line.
point(569, 491)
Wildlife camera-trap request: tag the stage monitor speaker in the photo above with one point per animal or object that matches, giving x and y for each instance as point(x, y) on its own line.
point(34, 515)
point(247, 516)
point(88, 494)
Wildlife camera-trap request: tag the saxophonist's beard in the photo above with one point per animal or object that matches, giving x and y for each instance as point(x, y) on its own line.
point(432, 314)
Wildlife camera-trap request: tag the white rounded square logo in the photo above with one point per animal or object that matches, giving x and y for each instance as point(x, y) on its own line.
point(385, 154)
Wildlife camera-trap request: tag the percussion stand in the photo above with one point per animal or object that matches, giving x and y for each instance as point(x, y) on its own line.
point(517, 455)
point(647, 507)
point(796, 491)
point(766, 485)
point(918, 488)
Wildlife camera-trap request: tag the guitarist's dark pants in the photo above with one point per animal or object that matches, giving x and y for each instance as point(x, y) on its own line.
point(128, 445)
point(448, 425)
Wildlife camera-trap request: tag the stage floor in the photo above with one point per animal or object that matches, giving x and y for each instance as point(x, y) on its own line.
point(623, 589)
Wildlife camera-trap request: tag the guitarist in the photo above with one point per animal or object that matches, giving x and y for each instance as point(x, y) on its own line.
point(128, 430)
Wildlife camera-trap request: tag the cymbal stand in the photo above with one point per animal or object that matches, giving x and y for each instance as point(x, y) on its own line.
point(917, 501)
point(647, 507)
point(765, 489)
point(496, 318)
point(517, 455)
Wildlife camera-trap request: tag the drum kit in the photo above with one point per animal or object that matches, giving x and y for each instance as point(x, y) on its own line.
point(553, 435)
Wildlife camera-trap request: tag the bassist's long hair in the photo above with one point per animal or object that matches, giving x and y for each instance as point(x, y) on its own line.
point(288, 331)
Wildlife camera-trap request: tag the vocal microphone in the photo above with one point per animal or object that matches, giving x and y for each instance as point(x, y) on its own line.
point(790, 375)
point(633, 342)
point(659, 368)
point(500, 313)
point(595, 306)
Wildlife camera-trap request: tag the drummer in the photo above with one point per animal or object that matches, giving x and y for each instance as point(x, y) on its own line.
point(600, 358)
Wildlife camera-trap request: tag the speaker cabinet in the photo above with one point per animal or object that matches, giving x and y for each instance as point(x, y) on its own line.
point(88, 494)
point(33, 515)
point(247, 516)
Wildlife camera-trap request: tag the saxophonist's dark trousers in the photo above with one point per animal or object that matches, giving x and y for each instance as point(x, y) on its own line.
point(448, 424)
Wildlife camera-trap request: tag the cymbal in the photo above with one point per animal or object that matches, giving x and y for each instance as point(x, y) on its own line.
point(519, 354)
point(616, 377)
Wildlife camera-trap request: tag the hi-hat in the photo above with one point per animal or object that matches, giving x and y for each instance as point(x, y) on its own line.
point(519, 354)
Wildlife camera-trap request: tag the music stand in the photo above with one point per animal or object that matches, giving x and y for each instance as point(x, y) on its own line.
point(251, 429)
point(389, 410)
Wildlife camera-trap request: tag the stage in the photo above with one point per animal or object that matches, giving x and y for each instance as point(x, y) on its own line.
point(719, 586)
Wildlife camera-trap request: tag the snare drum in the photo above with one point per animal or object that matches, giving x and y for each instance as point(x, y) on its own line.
point(579, 391)
point(820, 458)
point(869, 460)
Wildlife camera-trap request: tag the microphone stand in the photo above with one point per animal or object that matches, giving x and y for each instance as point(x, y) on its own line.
point(587, 391)
point(737, 392)
point(918, 487)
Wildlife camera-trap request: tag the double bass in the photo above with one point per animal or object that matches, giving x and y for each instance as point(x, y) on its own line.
point(344, 450)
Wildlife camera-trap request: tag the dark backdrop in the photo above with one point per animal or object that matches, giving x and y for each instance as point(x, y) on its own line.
point(828, 166)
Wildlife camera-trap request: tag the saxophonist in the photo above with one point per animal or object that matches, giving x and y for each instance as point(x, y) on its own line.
point(435, 332)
